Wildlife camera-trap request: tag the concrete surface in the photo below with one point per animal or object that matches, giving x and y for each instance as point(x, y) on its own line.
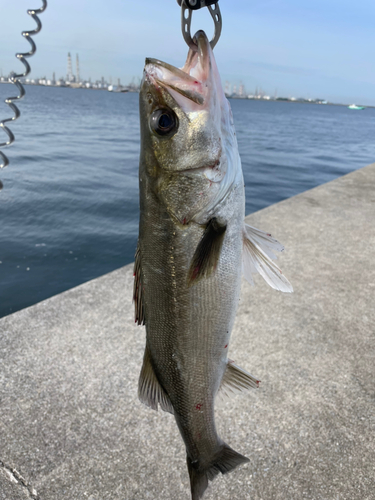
point(71, 426)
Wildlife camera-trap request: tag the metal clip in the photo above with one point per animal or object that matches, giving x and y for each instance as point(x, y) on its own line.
point(187, 7)
point(14, 78)
point(198, 4)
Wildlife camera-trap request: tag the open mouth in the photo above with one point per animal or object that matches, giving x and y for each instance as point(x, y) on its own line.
point(190, 80)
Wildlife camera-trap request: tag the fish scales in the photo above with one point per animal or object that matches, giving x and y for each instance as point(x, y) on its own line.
point(188, 328)
point(192, 246)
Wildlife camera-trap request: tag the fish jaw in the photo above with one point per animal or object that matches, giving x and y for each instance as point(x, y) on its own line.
point(199, 153)
point(197, 85)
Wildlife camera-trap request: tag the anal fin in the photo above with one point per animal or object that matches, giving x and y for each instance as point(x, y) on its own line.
point(236, 380)
point(150, 392)
point(207, 253)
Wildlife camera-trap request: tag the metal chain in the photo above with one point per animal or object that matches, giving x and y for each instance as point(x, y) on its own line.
point(14, 78)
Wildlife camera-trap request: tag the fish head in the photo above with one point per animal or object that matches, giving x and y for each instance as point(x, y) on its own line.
point(187, 131)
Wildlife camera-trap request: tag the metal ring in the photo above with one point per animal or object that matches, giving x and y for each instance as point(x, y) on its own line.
point(186, 24)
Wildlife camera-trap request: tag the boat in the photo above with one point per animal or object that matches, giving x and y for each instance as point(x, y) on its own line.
point(354, 106)
point(118, 88)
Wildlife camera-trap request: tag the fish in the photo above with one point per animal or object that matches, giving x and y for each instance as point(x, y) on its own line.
point(193, 246)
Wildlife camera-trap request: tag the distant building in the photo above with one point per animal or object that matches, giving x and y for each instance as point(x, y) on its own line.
point(70, 77)
point(78, 79)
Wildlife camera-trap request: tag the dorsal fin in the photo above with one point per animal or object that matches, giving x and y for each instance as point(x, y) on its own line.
point(207, 253)
point(137, 290)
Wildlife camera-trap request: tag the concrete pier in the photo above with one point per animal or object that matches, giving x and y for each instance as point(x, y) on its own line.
point(71, 426)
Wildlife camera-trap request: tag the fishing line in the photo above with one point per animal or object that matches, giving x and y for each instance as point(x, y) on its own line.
point(15, 79)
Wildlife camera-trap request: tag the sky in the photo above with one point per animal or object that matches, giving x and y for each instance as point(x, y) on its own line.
point(295, 48)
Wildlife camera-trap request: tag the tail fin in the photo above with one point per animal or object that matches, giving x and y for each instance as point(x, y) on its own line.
point(224, 461)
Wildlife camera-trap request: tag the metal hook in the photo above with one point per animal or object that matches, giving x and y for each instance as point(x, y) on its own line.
point(14, 78)
point(186, 17)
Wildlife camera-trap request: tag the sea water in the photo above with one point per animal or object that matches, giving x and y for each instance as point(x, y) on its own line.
point(69, 207)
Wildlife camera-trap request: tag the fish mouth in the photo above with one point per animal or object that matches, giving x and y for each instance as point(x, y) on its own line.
point(189, 81)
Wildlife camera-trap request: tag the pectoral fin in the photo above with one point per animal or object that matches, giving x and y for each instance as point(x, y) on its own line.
point(150, 392)
point(258, 252)
point(137, 290)
point(207, 253)
point(236, 380)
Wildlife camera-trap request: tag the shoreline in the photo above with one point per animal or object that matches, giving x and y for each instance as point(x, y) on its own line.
point(126, 90)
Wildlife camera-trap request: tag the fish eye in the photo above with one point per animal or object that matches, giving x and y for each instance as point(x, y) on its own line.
point(164, 122)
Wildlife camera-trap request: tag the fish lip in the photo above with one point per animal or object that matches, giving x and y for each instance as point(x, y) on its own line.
point(201, 40)
point(161, 64)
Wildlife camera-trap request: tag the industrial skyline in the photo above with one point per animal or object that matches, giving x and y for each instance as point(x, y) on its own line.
point(75, 80)
point(302, 48)
point(231, 90)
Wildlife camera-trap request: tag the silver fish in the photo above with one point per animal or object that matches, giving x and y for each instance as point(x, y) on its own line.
point(192, 246)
